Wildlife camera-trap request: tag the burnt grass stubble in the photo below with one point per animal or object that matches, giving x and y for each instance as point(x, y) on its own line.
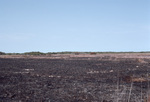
point(72, 80)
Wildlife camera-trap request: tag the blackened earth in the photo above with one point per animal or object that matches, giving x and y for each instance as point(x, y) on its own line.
point(73, 80)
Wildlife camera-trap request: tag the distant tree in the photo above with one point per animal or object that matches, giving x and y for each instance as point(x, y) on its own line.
point(2, 53)
point(34, 53)
point(76, 53)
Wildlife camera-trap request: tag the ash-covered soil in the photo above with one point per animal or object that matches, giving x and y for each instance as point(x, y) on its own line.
point(74, 80)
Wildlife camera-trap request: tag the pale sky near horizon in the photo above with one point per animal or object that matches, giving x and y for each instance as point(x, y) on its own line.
point(74, 25)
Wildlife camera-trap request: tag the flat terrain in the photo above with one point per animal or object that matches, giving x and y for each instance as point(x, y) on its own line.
point(75, 78)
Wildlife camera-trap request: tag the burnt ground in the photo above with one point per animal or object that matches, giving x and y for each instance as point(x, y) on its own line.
point(74, 80)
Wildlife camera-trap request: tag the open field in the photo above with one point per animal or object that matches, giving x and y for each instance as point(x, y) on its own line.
point(122, 77)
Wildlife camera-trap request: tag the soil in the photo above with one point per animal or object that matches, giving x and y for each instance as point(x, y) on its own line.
point(75, 78)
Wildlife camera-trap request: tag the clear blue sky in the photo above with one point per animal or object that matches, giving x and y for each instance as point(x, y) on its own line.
point(74, 25)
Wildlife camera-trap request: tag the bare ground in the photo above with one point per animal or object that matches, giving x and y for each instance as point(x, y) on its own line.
point(75, 78)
